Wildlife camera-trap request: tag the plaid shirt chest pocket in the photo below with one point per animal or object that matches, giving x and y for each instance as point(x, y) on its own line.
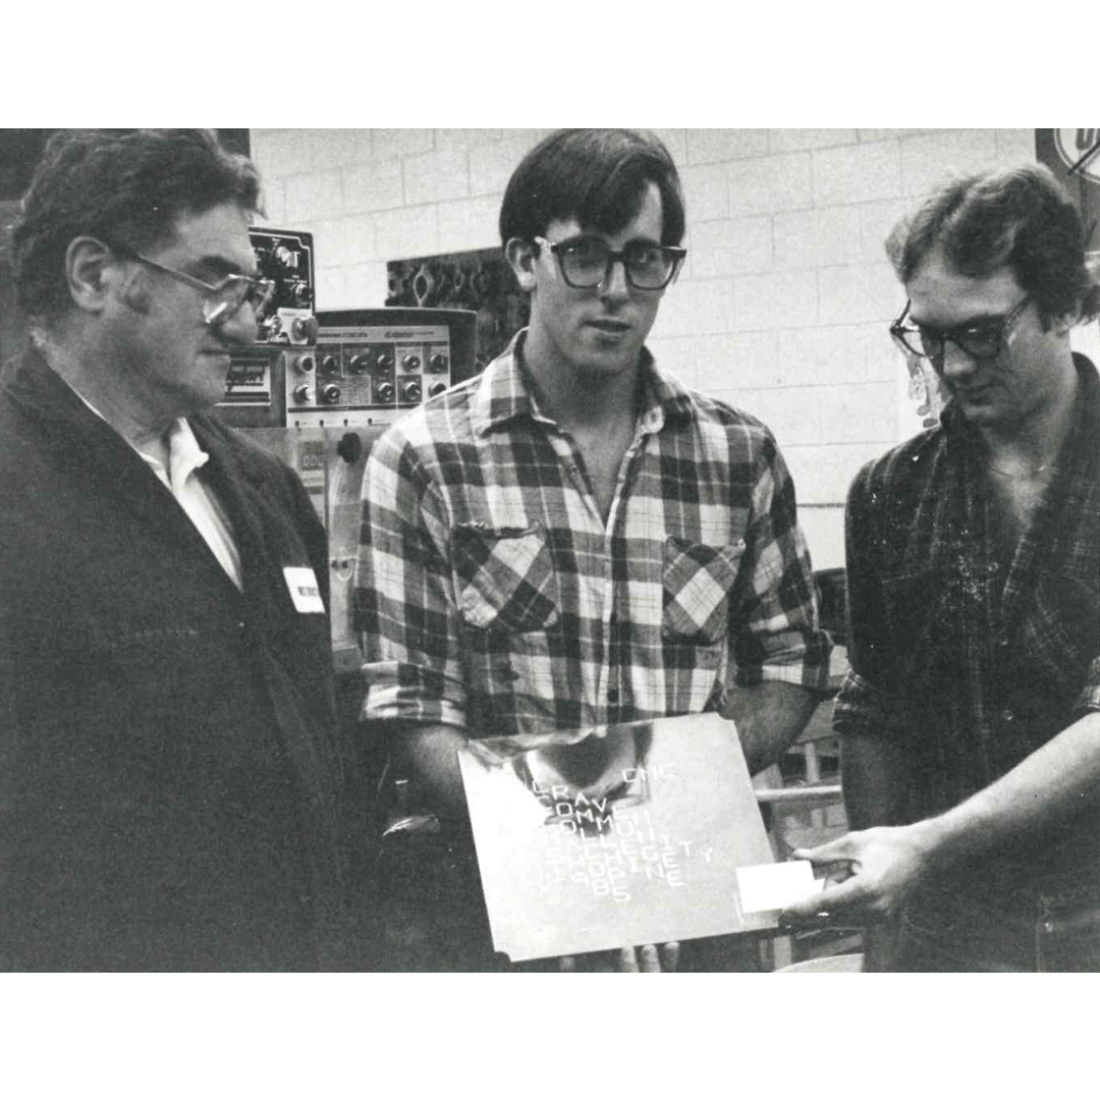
point(698, 581)
point(505, 578)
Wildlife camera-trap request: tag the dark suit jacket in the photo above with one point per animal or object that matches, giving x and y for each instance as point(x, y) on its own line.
point(169, 767)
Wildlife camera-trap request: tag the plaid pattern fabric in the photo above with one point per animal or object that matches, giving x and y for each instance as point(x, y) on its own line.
point(490, 595)
point(970, 661)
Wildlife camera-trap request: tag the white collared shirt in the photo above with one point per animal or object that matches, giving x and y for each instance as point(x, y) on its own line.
point(185, 457)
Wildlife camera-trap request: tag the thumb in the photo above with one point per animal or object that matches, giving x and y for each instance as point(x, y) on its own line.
point(826, 853)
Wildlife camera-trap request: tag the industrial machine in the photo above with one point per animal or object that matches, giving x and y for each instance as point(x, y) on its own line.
point(318, 388)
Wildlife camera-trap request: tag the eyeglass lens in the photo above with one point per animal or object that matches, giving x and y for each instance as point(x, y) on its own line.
point(585, 264)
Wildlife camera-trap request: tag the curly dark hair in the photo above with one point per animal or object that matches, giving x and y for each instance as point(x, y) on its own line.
point(1018, 217)
point(120, 185)
point(597, 176)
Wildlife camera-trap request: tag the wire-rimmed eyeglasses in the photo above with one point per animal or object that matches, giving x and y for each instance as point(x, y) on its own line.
point(223, 299)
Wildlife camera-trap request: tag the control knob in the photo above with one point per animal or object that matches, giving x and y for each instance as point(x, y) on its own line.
point(436, 388)
point(438, 362)
point(410, 391)
point(304, 363)
point(330, 393)
point(331, 364)
point(411, 362)
point(302, 394)
point(358, 363)
point(384, 391)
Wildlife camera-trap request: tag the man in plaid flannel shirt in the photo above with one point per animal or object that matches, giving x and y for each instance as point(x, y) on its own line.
point(970, 722)
point(574, 538)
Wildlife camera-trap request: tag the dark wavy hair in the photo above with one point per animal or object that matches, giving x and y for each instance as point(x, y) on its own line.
point(598, 177)
point(119, 185)
point(1019, 217)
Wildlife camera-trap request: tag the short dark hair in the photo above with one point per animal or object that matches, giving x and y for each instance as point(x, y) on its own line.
point(598, 177)
point(1018, 217)
point(127, 186)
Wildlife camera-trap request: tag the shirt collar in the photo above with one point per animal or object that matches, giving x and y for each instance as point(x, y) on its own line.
point(185, 455)
point(505, 393)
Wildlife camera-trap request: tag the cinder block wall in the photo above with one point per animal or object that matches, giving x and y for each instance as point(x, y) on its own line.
point(784, 300)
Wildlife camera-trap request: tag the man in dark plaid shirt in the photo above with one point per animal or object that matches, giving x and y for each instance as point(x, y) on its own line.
point(970, 714)
point(574, 538)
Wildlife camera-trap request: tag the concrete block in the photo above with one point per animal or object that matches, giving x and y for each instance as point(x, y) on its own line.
point(823, 529)
point(339, 148)
point(876, 220)
point(793, 140)
point(794, 416)
point(344, 241)
point(744, 361)
point(928, 161)
point(492, 164)
point(784, 299)
point(866, 413)
point(859, 292)
point(822, 474)
point(692, 307)
point(676, 141)
point(373, 186)
point(706, 194)
point(366, 286)
point(469, 224)
point(709, 146)
point(331, 287)
point(436, 177)
point(1015, 147)
point(289, 152)
point(729, 247)
point(859, 173)
point(676, 355)
point(412, 231)
point(318, 195)
point(868, 136)
point(833, 354)
point(273, 197)
point(764, 185)
point(814, 238)
point(464, 139)
point(402, 143)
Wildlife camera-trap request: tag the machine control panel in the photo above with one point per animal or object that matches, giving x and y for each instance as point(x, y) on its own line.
point(367, 373)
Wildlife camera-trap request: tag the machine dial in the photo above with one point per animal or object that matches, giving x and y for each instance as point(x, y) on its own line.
point(358, 363)
point(411, 362)
point(330, 393)
point(410, 391)
point(331, 364)
point(384, 391)
point(302, 394)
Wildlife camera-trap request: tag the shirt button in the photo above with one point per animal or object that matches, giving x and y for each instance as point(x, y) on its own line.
point(1008, 715)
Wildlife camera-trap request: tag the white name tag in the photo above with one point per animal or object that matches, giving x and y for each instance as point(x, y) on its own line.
point(304, 591)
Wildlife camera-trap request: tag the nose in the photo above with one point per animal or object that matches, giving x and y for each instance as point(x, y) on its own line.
point(956, 362)
point(241, 326)
point(615, 286)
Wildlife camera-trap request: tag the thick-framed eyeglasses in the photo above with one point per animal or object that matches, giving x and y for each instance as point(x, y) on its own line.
point(980, 341)
point(222, 299)
point(585, 262)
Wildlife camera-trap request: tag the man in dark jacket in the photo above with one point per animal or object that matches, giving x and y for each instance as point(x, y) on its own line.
point(169, 768)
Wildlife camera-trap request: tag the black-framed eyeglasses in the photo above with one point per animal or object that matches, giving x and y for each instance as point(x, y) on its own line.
point(985, 340)
point(222, 299)
point(585, 262)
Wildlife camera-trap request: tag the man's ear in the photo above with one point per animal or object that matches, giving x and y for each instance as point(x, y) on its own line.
point(90, 273)
point(1061, 326)
point(521, 257)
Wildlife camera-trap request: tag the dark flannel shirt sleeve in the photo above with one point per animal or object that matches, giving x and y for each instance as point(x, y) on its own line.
point(776, 634)
point(405, 610)
point(868, 703)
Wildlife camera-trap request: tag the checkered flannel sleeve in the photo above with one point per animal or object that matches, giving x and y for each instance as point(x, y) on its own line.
point(405, 613)
point(777, 635)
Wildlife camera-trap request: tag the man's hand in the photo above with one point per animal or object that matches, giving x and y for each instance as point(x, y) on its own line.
point(870, 873)
point(650, 959)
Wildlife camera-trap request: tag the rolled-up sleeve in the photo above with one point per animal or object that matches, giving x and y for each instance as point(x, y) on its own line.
point(405, 611)
point(776, 631)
